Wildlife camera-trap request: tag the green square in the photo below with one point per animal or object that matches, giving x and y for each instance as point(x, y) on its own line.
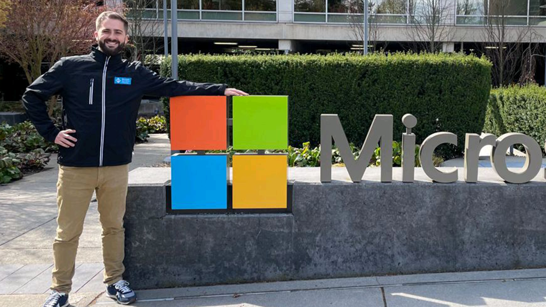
point(260, 122)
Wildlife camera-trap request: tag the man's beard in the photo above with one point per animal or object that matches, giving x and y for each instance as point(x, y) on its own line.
point(111, 52)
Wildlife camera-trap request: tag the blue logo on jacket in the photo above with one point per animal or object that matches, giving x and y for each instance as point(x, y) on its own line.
point(122, 81)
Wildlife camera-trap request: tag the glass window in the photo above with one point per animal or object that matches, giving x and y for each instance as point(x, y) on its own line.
point(223, 5)
point(430, 11)
point(181, 4)
point(188, 4)
point(507, 8)
point(345, 6)
point(310, 6)
point(417, 7)
point(260, 16)
point(140, 4)
point(471, 7)
point(168, 3)
point(261, 5)
point(537, 11)
point(389, 7)
point(537, 8)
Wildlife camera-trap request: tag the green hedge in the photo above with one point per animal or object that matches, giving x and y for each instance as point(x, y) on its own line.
point(447, 92)
point(518, 109)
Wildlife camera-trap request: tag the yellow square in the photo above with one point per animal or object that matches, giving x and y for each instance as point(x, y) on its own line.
point(259, 181)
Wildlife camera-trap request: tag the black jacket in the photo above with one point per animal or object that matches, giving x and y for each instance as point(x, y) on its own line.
point(101, 97)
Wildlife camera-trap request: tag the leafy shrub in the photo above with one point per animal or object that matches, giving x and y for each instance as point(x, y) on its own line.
point(8, 166)
point(33, 161)
point(304, 156)
point(396, 155)
point(310, 157)
point(141, 130)
point(23, 138)
point(157, 124)
point(446, 92)
point(22, 150)
point(146, 126)
point(518, 109)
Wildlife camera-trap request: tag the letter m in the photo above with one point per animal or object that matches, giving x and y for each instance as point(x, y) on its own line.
point(380, 132)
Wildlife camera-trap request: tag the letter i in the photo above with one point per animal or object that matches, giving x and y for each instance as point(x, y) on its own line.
point(408, 148)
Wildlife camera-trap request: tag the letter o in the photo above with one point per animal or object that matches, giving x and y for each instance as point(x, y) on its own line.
point(533, 161)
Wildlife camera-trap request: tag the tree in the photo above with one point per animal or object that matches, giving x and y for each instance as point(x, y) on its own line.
point(511, 49)
point(467, 7)
point(356, 20)
point(4, 9)
point(41, 31)
point(429, 23)
point(142, 30)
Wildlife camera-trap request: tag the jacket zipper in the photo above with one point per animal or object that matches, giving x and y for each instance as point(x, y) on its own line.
point(91, 83)
point(101, 154)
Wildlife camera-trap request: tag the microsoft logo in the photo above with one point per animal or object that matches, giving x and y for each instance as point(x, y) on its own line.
point(200, 181)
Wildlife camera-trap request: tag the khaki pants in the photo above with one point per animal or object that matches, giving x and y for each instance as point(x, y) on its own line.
point(74, 191)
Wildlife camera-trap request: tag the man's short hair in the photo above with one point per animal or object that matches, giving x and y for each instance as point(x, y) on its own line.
point(112, 15)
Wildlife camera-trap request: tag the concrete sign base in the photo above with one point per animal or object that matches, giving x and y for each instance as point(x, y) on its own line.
point(338, 229)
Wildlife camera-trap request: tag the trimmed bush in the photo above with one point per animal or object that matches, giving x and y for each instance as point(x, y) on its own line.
point(518, 109)
point(446, 92)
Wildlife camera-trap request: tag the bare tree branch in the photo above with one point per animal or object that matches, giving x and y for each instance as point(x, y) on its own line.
point(4, 10)
point(45, 30)
point(429, 25)
point(356, 21)
point(41, 31)
point(142, 28)
point(509, 49)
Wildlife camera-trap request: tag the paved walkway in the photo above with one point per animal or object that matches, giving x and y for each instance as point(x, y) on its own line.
point(27, 226)
point(500, 288)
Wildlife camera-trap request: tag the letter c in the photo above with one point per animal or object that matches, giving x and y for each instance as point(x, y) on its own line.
point(425, 156)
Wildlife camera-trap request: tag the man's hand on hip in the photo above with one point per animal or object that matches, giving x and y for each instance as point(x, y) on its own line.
point(65, 140)
point(234, 92)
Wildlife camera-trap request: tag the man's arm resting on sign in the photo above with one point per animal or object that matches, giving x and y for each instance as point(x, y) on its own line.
point(234, 92)
point(158, 86)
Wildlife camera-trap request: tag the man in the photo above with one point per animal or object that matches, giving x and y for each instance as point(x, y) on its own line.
point(101, 96)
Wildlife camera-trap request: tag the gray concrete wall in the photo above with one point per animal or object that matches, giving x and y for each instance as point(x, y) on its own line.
point(339, 229)
point(12, 118)
point(332, 32)
point(150, 108)
point(286, 29)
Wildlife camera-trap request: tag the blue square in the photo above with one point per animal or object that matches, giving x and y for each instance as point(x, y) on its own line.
point(199, 182)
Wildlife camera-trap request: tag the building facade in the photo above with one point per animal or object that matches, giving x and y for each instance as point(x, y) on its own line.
point(337, 25)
